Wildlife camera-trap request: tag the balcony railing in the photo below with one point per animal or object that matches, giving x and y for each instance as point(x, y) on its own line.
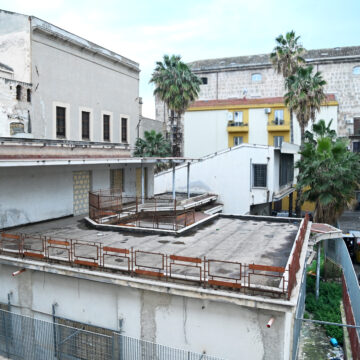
point(277, 122)
point(236, 123)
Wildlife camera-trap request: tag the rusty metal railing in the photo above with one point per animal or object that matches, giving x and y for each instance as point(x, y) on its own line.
point(210, 273)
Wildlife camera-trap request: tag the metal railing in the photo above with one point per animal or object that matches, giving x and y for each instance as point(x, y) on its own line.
point(237, 123)
point(277, 122)
point(26, 338)
point(207, 272)
point(112, 207)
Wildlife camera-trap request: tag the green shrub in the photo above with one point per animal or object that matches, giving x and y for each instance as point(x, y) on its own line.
point(327, 307)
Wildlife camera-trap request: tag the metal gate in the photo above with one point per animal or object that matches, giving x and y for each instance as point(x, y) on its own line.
point(81, 188)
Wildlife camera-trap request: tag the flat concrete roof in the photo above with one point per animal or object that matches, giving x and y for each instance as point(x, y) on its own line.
point(246, 240)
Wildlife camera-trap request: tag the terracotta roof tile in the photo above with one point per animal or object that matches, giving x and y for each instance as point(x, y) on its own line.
point(257, 101)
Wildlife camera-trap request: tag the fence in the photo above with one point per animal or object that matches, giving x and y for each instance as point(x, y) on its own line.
point(231, 275)
point(25, 338)
point(299, 314)
point(111, 207)
point(337, 251)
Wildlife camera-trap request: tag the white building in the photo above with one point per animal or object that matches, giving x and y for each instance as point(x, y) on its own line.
point(77, 89)
point(247, 178)
point(214, 125)
point(68, 115)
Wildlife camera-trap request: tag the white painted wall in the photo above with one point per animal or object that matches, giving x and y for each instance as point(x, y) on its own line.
point(205, 132)
point(93, 82)
point(326, 113)
point(228, 175)
point(219, 328)
point(258, 122)
point(31, 194)
point(15, 44)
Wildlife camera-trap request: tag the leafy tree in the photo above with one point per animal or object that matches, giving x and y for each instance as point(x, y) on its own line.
point(286, 58)
point(154, 145)
point(328, 172)
point(177, 86)
point(305, 95)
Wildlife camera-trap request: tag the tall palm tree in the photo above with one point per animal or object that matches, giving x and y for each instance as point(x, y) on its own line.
point(305, 95)
point(328, 171)
point(177, 86)
point(286, 58)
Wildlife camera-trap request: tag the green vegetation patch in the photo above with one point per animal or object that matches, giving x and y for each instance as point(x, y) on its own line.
point(327, 307)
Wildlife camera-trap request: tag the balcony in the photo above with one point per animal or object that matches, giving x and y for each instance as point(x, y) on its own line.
point(278, 125)
point(236, 127)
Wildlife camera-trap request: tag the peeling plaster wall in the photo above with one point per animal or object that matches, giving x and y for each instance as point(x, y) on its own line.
point(15, 45)
point(221, 329)
point(30, 194)
point(77, 78)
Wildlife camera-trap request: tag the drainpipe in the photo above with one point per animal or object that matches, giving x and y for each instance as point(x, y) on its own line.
point(54, 305)
point(173, 183)
point(188, 180)
point(318, 272)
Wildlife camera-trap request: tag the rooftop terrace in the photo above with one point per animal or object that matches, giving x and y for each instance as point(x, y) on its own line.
point(247, 254)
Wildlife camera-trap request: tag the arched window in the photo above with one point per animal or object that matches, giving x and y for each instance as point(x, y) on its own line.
point(256, 77)
point(28, 95)
point(18, 92)
point(356, 70)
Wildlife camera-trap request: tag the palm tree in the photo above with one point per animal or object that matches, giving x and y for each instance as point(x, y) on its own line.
point(286, 58)
point(328, 171)
point(154, 145)
point(305, 95)
point(177, 86)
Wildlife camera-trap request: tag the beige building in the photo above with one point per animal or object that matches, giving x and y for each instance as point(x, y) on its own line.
point(252, 77)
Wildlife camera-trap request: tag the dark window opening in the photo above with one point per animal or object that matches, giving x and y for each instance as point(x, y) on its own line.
point(260, 174)
point(85, 125)
point(286, 169)
point(106, 124)
point(356, 126)
point(18, 92)
point(204, 80)
point(28, 95)
point(124, 138)
point(60, 122)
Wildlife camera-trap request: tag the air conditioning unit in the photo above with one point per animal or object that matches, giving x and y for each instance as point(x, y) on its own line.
point(230, 116)
point(349, 121)
point(267, 110)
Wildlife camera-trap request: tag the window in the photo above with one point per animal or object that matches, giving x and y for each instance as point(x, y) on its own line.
point(18, 92)
point(238, 118)
point(204, 80)
point(238, 140)
point(279, 117)
point(278, 141)
point(286, 169)
point(106, 124)
point(60, 122)
point(124, 126)
point(256, 77)
point(28, 95)
point(259, 175)
point(356, 70)
point(85, 125)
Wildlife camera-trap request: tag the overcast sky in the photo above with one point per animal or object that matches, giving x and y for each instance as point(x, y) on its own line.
point(145, 30)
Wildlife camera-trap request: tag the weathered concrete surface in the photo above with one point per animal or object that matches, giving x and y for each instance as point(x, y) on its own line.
point(232, 239)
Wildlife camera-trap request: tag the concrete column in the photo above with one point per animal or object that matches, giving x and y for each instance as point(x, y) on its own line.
point(318, 271)
point(173, 183)
point(142, 184)
point(290, 204)
point(188, 180)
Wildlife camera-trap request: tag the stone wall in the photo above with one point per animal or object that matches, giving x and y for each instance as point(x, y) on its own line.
point(237, 83)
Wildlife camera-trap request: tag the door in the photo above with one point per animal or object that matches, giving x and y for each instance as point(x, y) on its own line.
point(117, 180)
point(81, 188)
